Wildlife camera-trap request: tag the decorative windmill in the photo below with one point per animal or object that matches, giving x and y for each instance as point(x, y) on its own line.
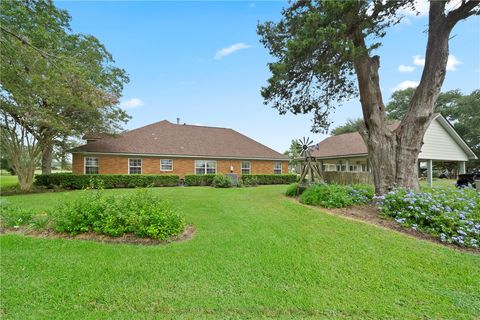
point(309, 163)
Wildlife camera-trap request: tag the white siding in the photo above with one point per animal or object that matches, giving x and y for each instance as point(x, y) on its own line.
point(439, 145)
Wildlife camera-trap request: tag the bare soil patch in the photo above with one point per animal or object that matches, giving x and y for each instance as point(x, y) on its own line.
point(129, 238)
point(371, 215)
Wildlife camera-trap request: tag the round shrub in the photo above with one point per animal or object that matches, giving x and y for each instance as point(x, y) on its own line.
point(292, 190)
point(140, 212)
point(337, 196)
point(222, 181)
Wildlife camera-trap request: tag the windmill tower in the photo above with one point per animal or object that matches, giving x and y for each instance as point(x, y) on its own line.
point(310, 165)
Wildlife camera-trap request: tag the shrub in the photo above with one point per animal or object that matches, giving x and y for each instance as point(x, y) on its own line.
point(222, 181)
point(270, 178)
point(81, 181)
point(336, 196)
point(199, 179)
point(452, 215)
point(249, 180)
point(12, 216)
point(292, 190)
point(141, 212)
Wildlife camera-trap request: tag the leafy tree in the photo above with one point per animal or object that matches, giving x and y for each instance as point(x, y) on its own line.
point(461, 110)
point(21, 149)
point(324, 52)
point(54, 82)
point(352, 125)
point(293, 153)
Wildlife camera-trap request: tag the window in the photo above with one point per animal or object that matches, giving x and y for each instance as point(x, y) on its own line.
point(166, 165)
point(246, 167)
point(277, 168)
point(135, 166)
point(205, 166)
point(91, 165)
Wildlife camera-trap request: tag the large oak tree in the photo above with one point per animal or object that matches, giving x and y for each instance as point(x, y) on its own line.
point(55, 83)
point(325, 54)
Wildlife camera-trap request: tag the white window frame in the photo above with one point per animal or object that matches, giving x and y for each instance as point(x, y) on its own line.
point(85, 165)
point(275, 167)
point(249, 168)
point(205, 166)
point(141, 165)
point(171, 160)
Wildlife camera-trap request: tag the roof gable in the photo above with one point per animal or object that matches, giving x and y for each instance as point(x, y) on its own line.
point(352, 144)
point(166, 138)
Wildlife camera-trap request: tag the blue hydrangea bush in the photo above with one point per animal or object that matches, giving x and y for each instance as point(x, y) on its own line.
point(453, 215)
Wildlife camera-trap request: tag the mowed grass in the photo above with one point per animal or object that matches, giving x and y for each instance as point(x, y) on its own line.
point(7, 181)
point(256, 254)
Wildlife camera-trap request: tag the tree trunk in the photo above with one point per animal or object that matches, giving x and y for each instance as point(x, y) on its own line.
point(393, 152)
point(47, 157)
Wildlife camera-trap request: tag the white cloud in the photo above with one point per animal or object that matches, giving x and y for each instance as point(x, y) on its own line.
point(418, 60)
point(405, 85)
point(452, 62)
point(229, 50)
point(421, 9)
point(405, 69)
point(131, 103)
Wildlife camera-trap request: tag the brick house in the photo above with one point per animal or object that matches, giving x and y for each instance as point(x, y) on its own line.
point(167, 148)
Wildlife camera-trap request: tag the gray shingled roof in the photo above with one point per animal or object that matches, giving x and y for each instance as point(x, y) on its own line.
point(166, 138)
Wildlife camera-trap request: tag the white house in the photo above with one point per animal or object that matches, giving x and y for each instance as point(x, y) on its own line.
point(347, 152)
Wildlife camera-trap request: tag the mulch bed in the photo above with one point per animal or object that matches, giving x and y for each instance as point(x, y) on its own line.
point(187, 234)
point(370, 214)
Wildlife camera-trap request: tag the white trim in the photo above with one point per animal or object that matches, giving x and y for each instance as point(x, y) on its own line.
point(141, 165)
point(249, 167)
point(274, 167)
point(143, 155)
point(454, 134)
point(85, 164)
point(195, 166)
point(161, 165)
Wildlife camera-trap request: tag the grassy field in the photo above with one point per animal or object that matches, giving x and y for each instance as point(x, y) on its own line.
point(7, 181)
point(256, 254)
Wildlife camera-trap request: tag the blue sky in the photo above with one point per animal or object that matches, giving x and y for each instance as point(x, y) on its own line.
point(173, 54)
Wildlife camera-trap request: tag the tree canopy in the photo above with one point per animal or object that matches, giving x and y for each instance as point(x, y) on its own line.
point(324, 54)
point(54, 82)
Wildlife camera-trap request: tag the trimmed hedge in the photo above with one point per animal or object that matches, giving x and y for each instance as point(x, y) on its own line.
point(81, 181)
point(270, 178)
point(199, 179)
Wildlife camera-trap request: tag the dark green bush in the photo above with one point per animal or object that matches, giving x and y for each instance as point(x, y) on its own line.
point(81, 181)
point(336, 196)
point(271, 178)
point(199, 179)
point(293, 190)
point(222, 181)
point(249, 180)
point(12, 216)
point(141, 212)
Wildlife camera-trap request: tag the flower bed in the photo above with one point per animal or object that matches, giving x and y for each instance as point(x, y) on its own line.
point(334, 196)
point(453, 215)
point(142, 213)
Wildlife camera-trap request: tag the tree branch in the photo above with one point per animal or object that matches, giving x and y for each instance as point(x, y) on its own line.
point(464, 11)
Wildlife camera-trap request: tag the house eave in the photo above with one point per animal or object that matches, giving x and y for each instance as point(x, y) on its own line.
point(177, 155)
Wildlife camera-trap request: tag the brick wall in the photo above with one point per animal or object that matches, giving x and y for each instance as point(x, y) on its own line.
point(181, 166)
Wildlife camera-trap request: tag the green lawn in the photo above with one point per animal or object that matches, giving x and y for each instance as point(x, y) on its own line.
point(7, 181)
point(256, 254)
